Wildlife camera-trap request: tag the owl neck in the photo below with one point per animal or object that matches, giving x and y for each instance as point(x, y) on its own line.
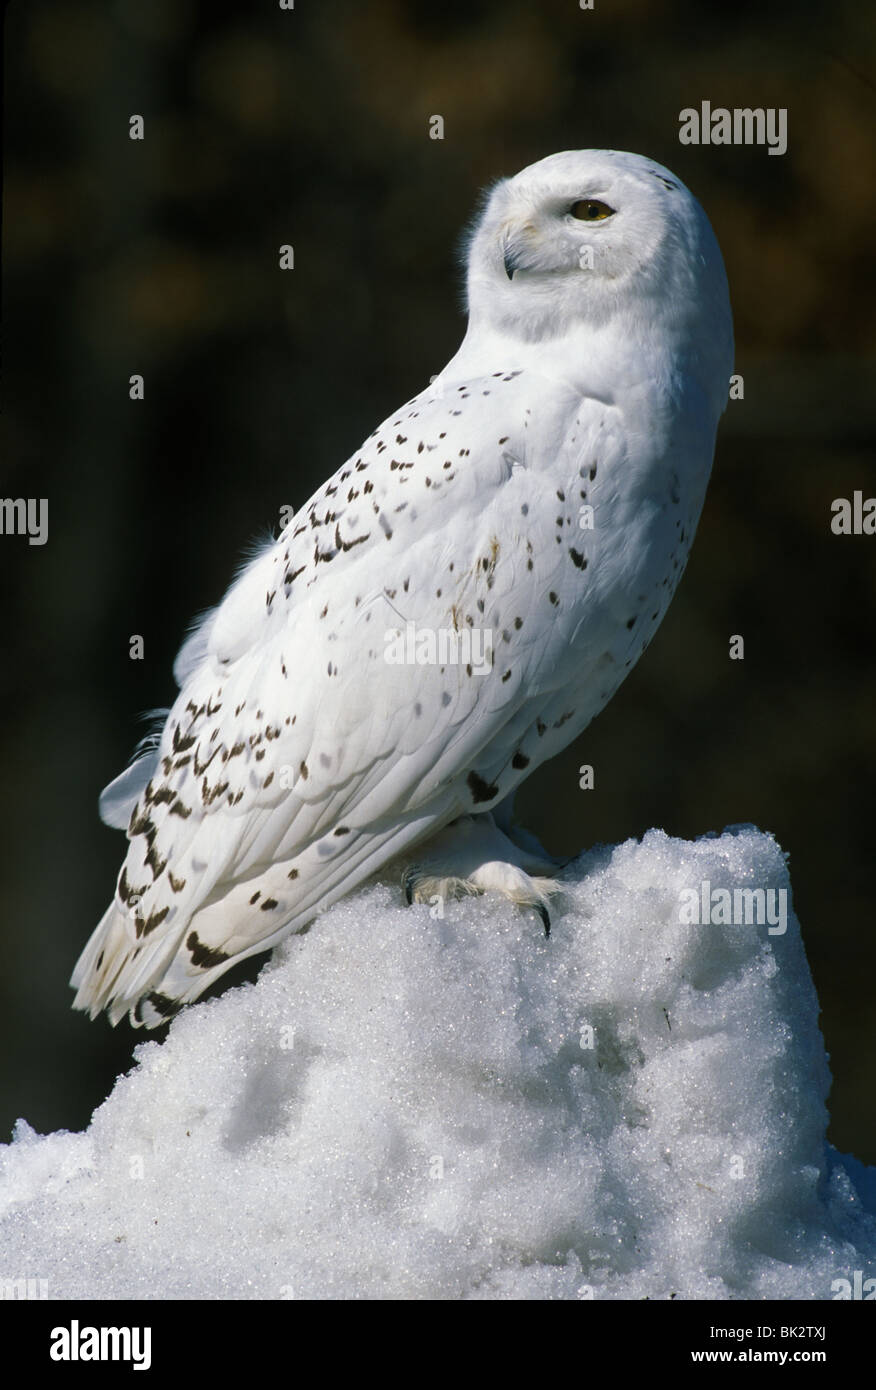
point(592, 360)
point(609, 359)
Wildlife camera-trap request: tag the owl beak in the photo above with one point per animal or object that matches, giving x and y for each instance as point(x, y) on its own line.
point(516, 254)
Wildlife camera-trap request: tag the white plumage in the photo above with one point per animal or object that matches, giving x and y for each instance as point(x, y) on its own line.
point(298, 760)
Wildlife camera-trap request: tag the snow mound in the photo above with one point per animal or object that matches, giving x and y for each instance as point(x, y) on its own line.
point(410, 1105)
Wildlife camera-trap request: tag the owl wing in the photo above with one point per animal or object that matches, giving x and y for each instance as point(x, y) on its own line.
point(392, 661)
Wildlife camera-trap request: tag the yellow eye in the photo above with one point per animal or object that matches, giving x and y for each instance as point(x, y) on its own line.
point(591, 210)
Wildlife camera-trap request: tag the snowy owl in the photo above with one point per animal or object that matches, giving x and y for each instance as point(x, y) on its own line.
point(450, 609)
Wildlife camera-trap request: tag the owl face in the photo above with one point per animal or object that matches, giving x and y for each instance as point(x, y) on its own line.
point(584, 236)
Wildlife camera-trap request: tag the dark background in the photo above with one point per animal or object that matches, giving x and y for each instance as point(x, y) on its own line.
point(161, 257)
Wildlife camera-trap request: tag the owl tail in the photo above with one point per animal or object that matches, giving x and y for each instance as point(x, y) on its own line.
point(103, 972)
point(152, 976)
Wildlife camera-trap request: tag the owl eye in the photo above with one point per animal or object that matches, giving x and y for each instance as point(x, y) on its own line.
point(591, 210)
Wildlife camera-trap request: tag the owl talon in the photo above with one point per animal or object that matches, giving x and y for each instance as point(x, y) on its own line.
point(408, 880)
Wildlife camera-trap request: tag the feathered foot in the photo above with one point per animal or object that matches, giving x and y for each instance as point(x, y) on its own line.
point(472, 855)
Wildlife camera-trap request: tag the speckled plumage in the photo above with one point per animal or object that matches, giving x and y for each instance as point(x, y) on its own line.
point(297, 760)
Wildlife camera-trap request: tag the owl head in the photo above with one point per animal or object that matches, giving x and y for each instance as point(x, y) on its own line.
point(590, 239)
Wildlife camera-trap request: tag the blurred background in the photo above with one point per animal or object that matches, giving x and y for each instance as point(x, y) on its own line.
point(310, 126)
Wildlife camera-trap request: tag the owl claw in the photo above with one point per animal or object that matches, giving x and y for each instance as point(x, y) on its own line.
point(408, 881)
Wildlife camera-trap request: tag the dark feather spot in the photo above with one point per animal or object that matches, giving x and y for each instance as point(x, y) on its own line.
point(481, 790)
point(152, 921)
point(203, 956)
point(162, 1005)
